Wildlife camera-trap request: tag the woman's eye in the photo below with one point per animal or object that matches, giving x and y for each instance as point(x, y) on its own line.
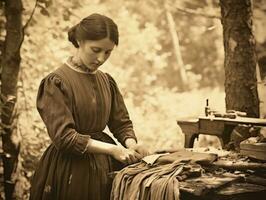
point(96, 50)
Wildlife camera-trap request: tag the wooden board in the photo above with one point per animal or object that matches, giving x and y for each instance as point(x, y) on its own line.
point(226, 189)
point(204, 184)
point(241, 188)
point(238, 120)
point(256, 150)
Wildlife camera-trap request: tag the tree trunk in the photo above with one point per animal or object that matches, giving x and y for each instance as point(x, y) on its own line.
point(10, 68)
point(240, 57)
point(179, 60)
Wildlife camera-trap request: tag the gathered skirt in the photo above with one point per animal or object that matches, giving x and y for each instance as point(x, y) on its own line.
point(62, 176)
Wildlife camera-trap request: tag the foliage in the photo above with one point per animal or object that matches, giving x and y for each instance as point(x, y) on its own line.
point(143, 65)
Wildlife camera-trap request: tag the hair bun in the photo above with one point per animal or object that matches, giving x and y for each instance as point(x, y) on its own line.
point(72, 36)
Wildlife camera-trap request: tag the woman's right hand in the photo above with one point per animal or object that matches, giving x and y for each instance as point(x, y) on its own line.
point(127, 156)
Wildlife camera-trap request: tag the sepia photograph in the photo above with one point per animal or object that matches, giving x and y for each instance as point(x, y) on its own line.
point(132, 99)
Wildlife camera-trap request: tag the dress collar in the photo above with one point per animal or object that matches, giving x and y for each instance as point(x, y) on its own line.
point(77, 68)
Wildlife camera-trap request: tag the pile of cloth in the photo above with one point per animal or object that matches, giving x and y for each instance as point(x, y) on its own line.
point(157, 176)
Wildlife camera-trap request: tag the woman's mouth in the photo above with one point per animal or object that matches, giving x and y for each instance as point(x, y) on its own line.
point(96, 64)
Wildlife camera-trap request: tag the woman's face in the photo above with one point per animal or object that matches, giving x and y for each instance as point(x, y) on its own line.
point(93, 53)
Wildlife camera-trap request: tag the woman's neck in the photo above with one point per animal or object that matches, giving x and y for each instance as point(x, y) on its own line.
point(75, 63)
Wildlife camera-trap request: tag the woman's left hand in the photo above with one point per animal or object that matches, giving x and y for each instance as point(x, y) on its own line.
point(142, 150)
point(139, 148)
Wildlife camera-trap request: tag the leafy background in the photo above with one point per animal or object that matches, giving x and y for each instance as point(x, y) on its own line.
point(144, 66)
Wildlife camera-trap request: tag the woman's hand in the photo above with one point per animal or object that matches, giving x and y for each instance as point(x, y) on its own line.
point(143, 151)
point(127, 156)
point(132, 144)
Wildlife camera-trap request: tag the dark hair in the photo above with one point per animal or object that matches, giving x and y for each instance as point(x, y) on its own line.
point(93, 27)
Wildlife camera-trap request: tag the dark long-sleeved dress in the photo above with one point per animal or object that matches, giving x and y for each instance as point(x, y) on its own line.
point(75, 107)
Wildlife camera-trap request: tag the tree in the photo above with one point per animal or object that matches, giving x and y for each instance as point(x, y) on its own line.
point(10, 67)
point(240, 57)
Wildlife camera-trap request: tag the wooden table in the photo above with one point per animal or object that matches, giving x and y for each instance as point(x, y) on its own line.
point(234, 191)
point(225, 185)
point(218, 126)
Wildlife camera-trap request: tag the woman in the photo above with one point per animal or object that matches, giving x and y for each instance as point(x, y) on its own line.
point(76, 102)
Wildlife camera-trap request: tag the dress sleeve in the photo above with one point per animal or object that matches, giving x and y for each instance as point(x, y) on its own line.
point(119, 122)
point(55, 107)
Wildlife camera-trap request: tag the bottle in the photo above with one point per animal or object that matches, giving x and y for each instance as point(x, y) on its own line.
point(207, 108)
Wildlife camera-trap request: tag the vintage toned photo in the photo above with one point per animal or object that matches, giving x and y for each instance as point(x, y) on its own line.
point(132, 99)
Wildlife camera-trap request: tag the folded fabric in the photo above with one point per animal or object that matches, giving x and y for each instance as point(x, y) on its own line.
point(142, 182)
point(157, 176)
point(186, 155)
point(151, 159)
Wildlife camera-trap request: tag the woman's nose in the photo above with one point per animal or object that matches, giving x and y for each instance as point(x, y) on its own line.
point(101, 57)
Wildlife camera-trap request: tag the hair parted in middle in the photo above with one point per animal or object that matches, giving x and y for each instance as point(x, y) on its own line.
point(94, 27)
